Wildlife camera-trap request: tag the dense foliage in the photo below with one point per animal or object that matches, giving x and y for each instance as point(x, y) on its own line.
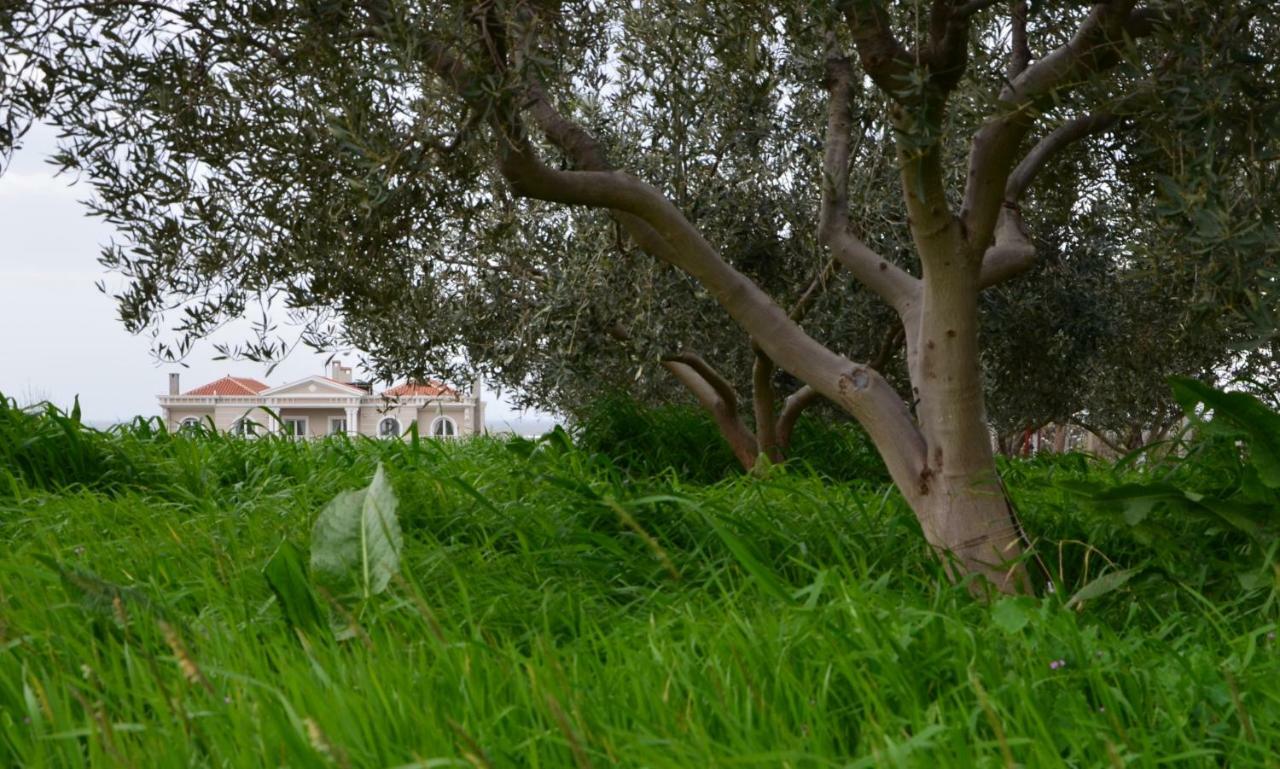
point(556, 609)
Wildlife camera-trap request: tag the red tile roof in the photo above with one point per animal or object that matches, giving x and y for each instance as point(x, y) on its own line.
point(419, 388)
point(230, 385)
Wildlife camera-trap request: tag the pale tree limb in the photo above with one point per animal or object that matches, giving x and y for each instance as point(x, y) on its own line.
point(889, 281)
point(714, 379)
point(792, 407)
point(739, 438)
point(1067, 133)
point(714, 394)
point(763, 398)
point(1012, 251)
point(1095, 46)
point(796, 403)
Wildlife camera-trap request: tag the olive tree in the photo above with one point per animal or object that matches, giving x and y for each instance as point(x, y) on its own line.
point(385, 160)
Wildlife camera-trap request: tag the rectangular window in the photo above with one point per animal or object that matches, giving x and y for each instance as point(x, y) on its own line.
point(295, 427)
point(337, 425)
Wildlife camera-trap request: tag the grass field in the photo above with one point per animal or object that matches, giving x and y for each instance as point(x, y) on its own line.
point(556, 609)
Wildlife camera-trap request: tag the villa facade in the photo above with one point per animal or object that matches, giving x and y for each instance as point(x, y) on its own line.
point(324, 405)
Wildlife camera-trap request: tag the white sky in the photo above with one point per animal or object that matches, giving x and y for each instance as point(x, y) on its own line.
point(60, 337)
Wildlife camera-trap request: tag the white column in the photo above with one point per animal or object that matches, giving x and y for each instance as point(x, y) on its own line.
point(269, 419)
point(353, 420)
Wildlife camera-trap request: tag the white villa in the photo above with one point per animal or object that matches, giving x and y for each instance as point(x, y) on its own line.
point(324, 405)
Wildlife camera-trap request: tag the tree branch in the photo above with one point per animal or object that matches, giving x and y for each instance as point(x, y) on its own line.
point(1102, 436)
point(727, 419)
point(1020, 48)
point(972, 7)
point(709, 374)
point(1094, 47)
point(792, 407)
point(948, 50)
point(815, 288)
point(887, 280)
point(883, 58)
point(1012, 251)
point(889, 347)
point(1071, 131)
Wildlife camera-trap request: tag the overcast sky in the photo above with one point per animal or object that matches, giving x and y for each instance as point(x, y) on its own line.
point(60, 337)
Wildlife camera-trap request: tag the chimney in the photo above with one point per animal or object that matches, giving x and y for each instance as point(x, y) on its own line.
point(340, 373)
point(174, 389)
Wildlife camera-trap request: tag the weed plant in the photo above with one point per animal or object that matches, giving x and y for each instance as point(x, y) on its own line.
point(559, 607)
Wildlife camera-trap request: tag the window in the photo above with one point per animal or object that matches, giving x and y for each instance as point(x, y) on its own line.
point(337, 425)
point(389, 428)
point(244, 427)
point(190, 423)
point(295, 427)
point(444, 427)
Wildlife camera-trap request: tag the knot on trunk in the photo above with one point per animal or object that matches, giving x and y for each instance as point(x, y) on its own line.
point(859, 379)
point(925, 476)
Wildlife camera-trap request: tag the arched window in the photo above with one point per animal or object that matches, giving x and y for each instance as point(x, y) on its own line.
point(444, 427)
point(389, 427)
point(190, 423)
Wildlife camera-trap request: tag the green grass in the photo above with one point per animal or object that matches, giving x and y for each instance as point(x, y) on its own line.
point(557, 611)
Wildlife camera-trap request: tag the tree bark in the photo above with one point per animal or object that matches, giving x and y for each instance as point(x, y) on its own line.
point(1060, 438)
point(763, 398)
point(718, 399)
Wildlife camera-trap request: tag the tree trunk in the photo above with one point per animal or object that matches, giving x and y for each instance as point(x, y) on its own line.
point(1060, 438)
point(959, 498)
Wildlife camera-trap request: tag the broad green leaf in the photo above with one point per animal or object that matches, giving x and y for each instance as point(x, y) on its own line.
point(288, 580)
point(1134, 500)
point(1011, 614)
point(1242, 412)
point(1102, 585)
point(356, 541)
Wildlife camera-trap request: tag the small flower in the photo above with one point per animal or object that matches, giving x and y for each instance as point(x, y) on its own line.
point(1057, 664)
point(1271, 636)
point(1102, 709)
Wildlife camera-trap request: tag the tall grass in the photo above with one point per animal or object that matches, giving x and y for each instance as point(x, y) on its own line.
point(559, 608)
